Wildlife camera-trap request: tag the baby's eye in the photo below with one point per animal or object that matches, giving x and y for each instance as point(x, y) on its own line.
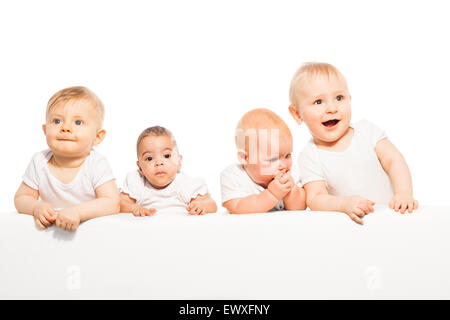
point(288, 156)
point(78, 122)
point(167, 156)
point(339, 97)
point(318, 101)
point(273, 159)
point(56, 121)
point(149, 158)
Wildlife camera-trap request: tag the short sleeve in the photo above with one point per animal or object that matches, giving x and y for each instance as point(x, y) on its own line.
point(30, 177)
point(371, 131)
point(190, 188)
point(101, 171)
point(309, 167)
point(133, 185)
point(232, 186)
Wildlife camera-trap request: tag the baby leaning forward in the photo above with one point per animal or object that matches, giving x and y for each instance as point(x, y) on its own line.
point(158, 184)
point(345, 167)
point(73, 181)
point(262, 179)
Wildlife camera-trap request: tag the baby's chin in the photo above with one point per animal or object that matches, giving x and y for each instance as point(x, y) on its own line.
point(161, 183)
point(70, 152)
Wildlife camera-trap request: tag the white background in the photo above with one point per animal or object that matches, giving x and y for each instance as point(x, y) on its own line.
point(197, 66)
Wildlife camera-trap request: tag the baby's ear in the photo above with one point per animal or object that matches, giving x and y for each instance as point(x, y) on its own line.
point(242, 156)
point(44, 128)
point(294, 113)
point(139, 168)
point(180, 158)
point(99, 137)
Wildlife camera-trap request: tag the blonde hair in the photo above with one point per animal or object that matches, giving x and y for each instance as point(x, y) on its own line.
point(76, 93)
point(309, 69)
point(156, 131)
point(254, 123)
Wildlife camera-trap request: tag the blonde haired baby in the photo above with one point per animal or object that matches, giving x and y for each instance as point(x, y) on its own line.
point(158, 183)
point(74, 182)
point(262, 179)
point(345, 167)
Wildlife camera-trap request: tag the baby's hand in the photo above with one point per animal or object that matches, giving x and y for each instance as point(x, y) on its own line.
point(280, 185)
point(68, 219)
point(357, 207)
point(196, 207)
point(403, 202)
point(139, 211)
point(289, 182)
point(44, 214)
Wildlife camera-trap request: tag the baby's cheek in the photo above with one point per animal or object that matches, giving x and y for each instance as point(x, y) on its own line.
point(268, 172)
point(147, 173)
point(289, 164)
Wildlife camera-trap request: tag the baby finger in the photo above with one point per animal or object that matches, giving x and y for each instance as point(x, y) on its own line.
point(284, 178)
point(403, 207)
point(359, 212)
point(44, 221)
point(367, 208)
point(39, 224)
point(355, 218)
point(62, 224)
point(391, 204)
point(396, 206)
point(410, 206)
point(48, 217)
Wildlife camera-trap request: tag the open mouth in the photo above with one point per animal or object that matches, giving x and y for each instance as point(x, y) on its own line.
point(330, 123)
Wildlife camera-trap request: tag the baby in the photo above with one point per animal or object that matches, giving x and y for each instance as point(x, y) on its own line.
point(158, 183)
point(345, 167)
point(262, 180)
point(75, 183)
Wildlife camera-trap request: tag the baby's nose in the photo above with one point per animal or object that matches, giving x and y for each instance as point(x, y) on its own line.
point(66, 128)
point(331, 107)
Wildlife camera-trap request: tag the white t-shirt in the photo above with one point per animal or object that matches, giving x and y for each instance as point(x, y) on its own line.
point(177, 194)
point(235, 183)
point(94, 172)
point(355, 171)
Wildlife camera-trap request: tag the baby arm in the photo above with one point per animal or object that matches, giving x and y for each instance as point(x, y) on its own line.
point(261, 202)
point(201, 205)
point(26, 200)
point(395, 166)
point(317, 198)
point(106, 202)
point(296, 198)
point(128, 205)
